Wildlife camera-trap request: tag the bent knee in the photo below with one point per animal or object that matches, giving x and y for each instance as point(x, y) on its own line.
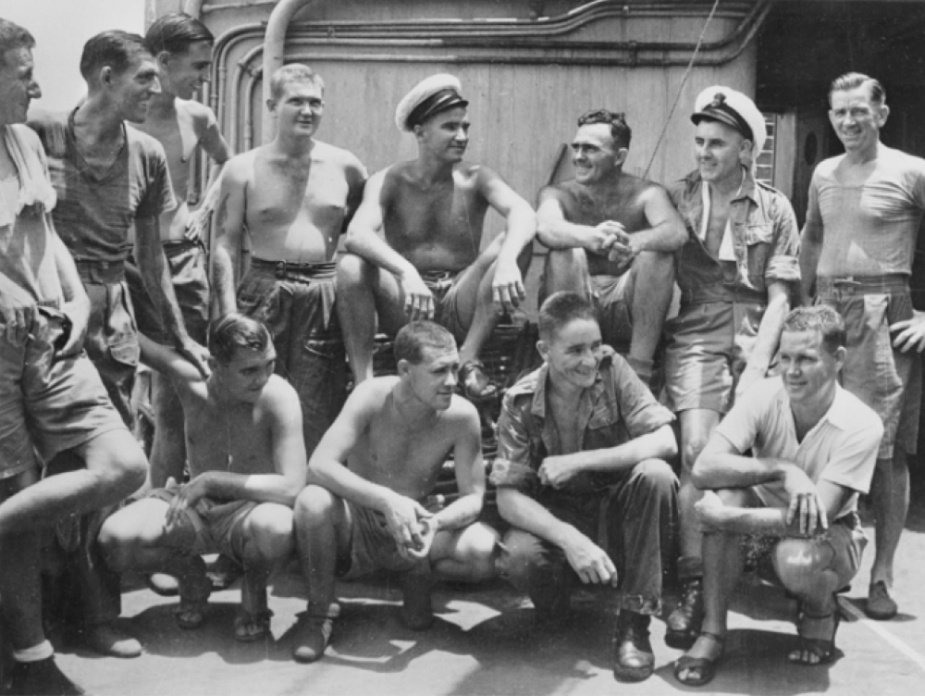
point(352, 270)
point(692, 445)
point(268, 532)
point(657, 473)
point(314, 504)
point(799, 563)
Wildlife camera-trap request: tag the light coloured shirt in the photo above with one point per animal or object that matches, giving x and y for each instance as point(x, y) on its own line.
point(841, 448)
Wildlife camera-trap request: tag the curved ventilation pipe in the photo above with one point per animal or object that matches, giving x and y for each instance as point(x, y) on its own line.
point(193, 8)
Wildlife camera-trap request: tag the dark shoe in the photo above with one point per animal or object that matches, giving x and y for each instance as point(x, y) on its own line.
point(251, 627)
point(163, 584)
point(685, 621)
point(194, 601)
point(41, 678)
point(814, 651)
point(417, 612)
point(697, 671)
point(880, 605)
point(314, 632)
point(223, 572)
point(474, 383)
point(634, 659)
point(106, 639)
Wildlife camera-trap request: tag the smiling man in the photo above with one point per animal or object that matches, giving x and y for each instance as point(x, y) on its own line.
point(736, 273)
point(369, 504)
point(611, 236)
point(862, 221)
point(247, 465)
point(291, 198)
point(415, 241)
point(582, 480)
point(813, 450)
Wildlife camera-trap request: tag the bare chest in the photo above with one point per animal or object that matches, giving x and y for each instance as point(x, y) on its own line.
point(235, 440)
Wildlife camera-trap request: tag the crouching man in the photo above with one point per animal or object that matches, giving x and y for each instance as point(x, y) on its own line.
point(582, 479)
point(247, 465)
point(815, 449)
point(369, 503)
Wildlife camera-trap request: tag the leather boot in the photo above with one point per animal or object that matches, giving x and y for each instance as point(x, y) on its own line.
point(685, 621)
point(633, 658)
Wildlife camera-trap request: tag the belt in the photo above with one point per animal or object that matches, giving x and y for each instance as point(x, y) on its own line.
point(722, 293)
point(889, 281)
point(178, 246)
point(296, 271)
point(98, 272)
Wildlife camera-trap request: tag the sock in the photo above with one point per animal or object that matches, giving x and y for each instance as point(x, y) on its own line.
point(42, 651)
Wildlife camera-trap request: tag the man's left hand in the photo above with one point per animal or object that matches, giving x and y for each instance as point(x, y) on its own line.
point(909, 333)
point(710, 509)
point(507, 287)
point(186, 498)
point(556, 471)
point(198, 355)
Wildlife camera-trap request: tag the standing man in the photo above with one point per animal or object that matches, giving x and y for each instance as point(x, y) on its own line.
point(414, 243)
point(51, 397)
point(369, 504)
point(736, 273)
point(182, 49)
point(109, 177)
point(292, 197)
point(864, 211)
point(813, 448)
point(247, 465)
point(612, 235)
point(582, 480)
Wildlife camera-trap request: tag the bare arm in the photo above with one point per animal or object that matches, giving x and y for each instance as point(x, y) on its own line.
point(768, 336)
point(659, 444)
point(470, 476)
point(214, 145)
point(77, 304)
point(229, 229)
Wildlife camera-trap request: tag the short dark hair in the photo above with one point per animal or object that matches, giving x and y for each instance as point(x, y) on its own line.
point(562, 308)
point(414, 337)
point(114, 48)
point(293, 72)
point(235, 331)
point(821, 318)
point(853, 80)
point(13, 36)
point(619, 128)
point(175, 33)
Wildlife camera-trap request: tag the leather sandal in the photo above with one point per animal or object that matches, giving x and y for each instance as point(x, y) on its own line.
point(251, 627)
point(704, 666)
point(474, 383)
point(822, 649)
point(194, 591)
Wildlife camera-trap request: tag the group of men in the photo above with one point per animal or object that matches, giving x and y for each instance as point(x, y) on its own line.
point(775, 437)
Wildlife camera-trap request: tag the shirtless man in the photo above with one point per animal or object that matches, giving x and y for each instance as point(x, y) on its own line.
point(51, 397)
point(736, 273)
point(292, 198)
point(369, 506)
point(612, 235)
point(182, 48)
point(865, 207)
point(247, 465)
point(414, 243)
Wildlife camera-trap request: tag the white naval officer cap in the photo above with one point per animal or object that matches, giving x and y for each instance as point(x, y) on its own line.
point(734, 109)
point(428, 97)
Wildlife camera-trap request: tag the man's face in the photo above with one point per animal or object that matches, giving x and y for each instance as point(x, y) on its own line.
point(17, 85)
point(809, 370)
point(133, 88)
point(719, 150)
point(856, 119)
point(299, 108)
point(594, 153)
point(184, 74)
point(245, 376)
point(574, 353)
point(445, 134)
point(433, 380)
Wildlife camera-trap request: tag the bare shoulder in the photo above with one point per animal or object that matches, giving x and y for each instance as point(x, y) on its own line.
point(643, 189)
point(371, 394)
point(279, 396)
point(335, 155)
point(239, 169)
point(462, 416)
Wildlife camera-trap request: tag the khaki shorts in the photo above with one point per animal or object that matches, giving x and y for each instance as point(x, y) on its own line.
point(212, 526)
point(47, 403)
point(709, 344)
point(613, 310)
point(445, 288)
point(887, 380)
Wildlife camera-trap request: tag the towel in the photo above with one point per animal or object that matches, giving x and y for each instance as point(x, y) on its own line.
point(34, 185)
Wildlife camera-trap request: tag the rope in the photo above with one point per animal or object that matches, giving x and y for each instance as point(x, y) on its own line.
point(677, 98)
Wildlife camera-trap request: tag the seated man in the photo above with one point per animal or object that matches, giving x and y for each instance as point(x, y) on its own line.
point(582, 479)
point(611, 234)
point(369, 503)
point(247, 464)
point(815, 447)
point(414, 242)
point(52, 401)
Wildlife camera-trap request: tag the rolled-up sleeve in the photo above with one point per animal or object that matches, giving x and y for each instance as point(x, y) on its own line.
point(784, 264)
point(512, 467)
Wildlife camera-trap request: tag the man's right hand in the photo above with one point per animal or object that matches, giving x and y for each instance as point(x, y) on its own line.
point(419, 300)
point(589, 560)
point(17, 308)
point(403, 515)
point(603, 236)
point(805, 503)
